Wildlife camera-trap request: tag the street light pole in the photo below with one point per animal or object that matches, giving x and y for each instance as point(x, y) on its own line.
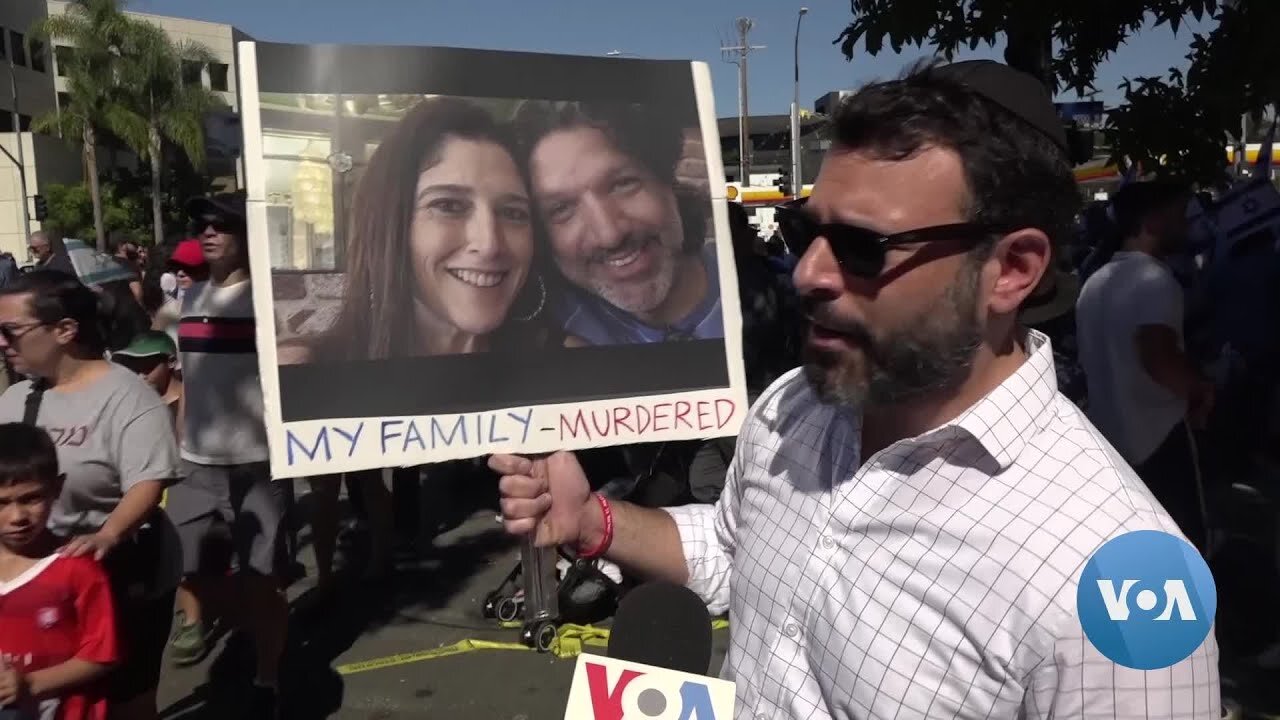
point(20, 161)
point(796, 184)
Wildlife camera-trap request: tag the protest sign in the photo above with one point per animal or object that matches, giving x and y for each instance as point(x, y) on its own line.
point(460, 252)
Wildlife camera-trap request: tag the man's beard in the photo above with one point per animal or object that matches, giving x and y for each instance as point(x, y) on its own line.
point(933, 353)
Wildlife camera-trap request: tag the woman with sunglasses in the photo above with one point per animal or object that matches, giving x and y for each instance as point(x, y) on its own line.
point(117, 452)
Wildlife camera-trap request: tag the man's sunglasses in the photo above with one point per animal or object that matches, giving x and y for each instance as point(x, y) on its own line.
point(219, 224)
point(861, 251)
point(12, 333)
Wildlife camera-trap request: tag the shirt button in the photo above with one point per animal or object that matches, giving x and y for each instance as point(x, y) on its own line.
point(791, 629)
point(828, 542)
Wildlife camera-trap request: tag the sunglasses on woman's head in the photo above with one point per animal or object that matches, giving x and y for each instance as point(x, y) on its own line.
point(861, 251)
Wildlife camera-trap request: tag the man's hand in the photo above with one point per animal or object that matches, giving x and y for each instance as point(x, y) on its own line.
point(546, 496)
point(13, 686)
point(99, 544)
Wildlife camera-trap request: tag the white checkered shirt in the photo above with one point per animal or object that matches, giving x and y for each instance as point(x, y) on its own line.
point(938, 579)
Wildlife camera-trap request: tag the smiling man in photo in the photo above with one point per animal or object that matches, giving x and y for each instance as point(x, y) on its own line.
point(629, 238)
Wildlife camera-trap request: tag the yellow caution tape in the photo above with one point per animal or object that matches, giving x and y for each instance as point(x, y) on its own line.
point(570, 642)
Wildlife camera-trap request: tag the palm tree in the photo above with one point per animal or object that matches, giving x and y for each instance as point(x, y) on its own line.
point(158, 106)
point(97, 30)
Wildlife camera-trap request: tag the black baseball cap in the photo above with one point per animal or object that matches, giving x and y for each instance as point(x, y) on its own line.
point(1016, 91)
point(227, 206)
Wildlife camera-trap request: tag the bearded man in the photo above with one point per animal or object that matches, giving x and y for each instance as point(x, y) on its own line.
point(904, 526)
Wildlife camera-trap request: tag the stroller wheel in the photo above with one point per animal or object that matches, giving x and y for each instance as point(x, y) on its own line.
point(508, 609)
point(541, 636)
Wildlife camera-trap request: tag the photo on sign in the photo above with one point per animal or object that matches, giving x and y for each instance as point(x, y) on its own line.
point(494, 250)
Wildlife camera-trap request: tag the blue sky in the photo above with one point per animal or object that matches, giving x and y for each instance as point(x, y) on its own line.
point(672, 29)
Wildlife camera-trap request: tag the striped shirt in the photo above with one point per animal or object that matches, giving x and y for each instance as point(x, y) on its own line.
point(221, 389)
point(935, 579)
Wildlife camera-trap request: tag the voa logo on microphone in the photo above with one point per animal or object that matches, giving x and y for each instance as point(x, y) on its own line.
point(615, 689)
point(1146, 599)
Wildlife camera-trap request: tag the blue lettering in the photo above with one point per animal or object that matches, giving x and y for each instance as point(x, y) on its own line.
point(459, 426)
point(526, 421)
point(413, 436)
point(493, 435)
point(386, 425)
point(322, 441)
point(696, 701)
point(351, 438)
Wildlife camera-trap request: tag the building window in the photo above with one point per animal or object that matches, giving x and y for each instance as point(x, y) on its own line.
point(299, 185)
point(218, 76)
point(191, 72)
point(3, 44)
point(18, 48)
point(6, 122)
point(62, 55)
point(37, 55)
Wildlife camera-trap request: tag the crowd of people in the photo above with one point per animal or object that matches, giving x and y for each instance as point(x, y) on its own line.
point(913, 458)
point(146, 388)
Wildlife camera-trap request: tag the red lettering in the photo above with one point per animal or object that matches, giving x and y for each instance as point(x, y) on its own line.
point(622, 418)
point(642, 411)
point(596, 423)
point(658, 416)
point(703, 412)
point(579, 423)
point(682, 412)
point(606, 703)
point(723, 419)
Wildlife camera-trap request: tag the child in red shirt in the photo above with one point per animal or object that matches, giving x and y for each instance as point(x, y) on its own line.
point(57, 621)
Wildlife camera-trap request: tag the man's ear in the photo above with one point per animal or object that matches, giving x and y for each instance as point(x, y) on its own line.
point(1019, 261)
point(65, 331)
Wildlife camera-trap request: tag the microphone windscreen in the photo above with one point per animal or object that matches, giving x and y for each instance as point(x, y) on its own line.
point(664, 625)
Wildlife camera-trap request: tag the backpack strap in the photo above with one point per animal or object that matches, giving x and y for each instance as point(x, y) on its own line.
point(32, 408)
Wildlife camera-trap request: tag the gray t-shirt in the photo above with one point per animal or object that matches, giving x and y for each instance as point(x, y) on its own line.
point(110, 436)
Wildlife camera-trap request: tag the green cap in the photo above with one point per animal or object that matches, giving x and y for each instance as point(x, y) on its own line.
point(149, 344)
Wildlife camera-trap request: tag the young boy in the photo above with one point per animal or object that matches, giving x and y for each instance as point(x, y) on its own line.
point(57, 621)
point(154, 357)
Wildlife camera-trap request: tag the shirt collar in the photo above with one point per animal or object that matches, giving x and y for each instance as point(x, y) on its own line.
point(1006, 419)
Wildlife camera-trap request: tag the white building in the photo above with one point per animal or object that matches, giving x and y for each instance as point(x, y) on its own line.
point(33, 69)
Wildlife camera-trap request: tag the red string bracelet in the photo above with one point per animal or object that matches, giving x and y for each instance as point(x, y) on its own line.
point(607, 538)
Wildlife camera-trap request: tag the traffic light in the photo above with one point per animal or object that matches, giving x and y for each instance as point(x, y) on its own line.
point(42, 207)
point(784, 183)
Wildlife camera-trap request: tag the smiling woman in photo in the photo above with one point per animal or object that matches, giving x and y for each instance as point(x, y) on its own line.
point(441, 260)
point(441, 257)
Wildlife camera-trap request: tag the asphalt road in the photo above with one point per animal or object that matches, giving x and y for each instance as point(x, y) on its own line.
point(432, 601)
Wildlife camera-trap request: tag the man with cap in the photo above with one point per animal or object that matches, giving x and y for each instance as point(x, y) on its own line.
point(904, 526)
point(227, 492)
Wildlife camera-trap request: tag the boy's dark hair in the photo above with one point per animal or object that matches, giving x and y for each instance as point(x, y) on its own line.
point(1017, 175)
point(27, 454)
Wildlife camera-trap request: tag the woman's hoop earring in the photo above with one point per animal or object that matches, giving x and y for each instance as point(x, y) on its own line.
point(542, 301)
